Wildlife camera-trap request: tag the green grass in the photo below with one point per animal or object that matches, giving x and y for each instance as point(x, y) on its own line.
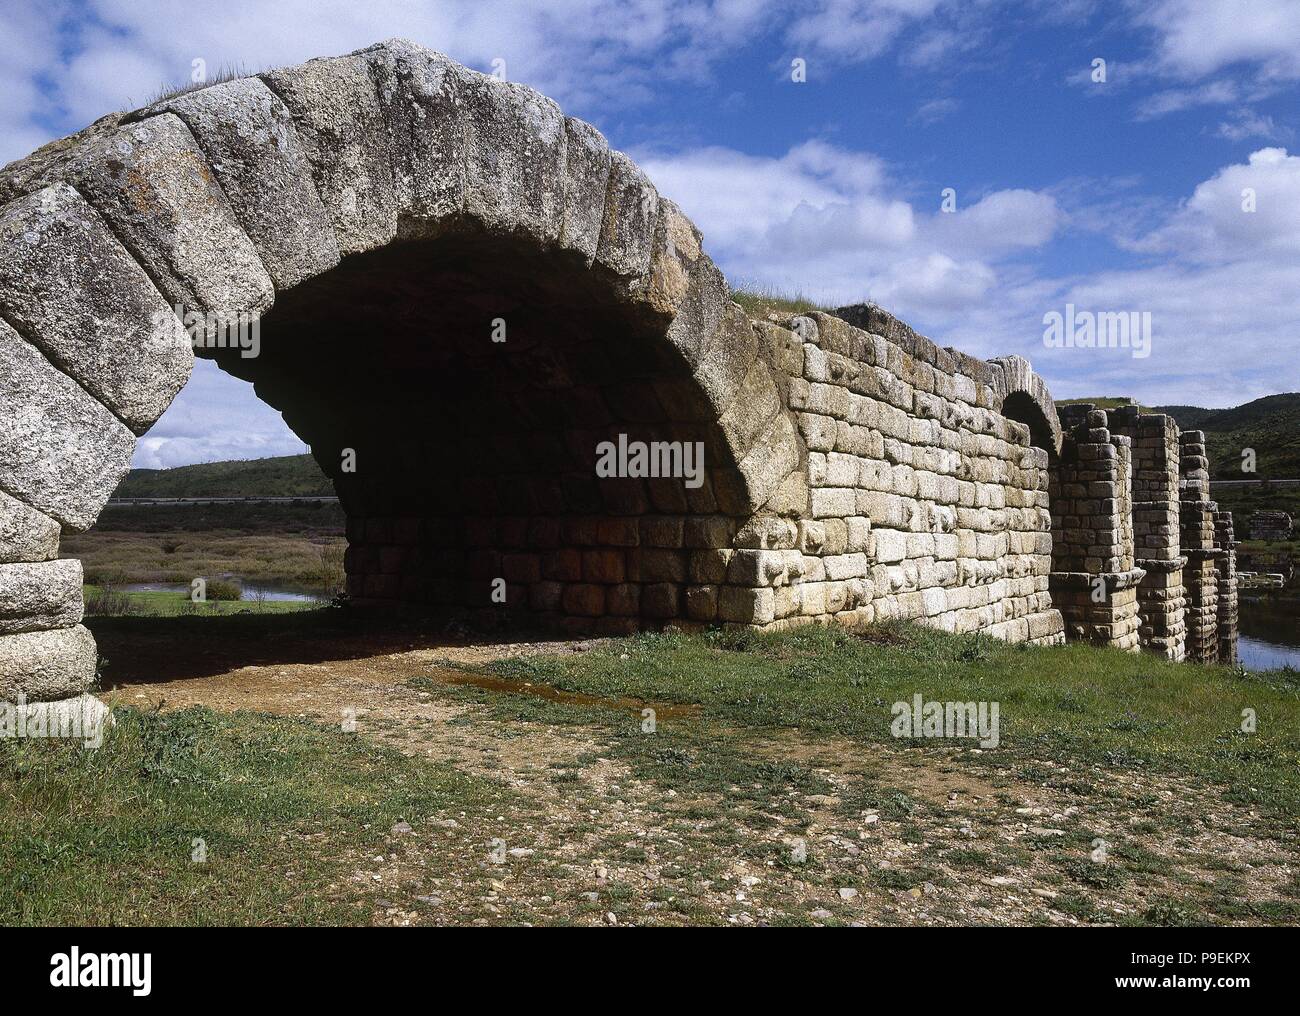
point(757, 301)
point(149, 603)
point(1075, 703)
point(107, 837)
point(748, 725)
point(225, 72)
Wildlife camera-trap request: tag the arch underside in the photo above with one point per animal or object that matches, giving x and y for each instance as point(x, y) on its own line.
point(457, 390)
point(1022, 407)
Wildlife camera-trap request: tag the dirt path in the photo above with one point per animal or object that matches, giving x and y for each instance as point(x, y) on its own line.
point(842, 833)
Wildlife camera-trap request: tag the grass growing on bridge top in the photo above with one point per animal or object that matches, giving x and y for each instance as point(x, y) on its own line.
point(757, 301)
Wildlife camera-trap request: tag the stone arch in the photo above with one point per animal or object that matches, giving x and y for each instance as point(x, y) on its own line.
point(325, 201)
point(1021, 407)
point(1021, 395)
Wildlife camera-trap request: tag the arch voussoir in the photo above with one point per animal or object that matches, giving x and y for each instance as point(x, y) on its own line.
point(340, 122)
point(250, 141)
point(61, 451)
point(587, 161)
point(152, 184)
point(1013, 376)
point(68, 286)
point(631, 210)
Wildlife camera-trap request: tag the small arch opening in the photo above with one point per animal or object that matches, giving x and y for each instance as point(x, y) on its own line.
point(1021, 407)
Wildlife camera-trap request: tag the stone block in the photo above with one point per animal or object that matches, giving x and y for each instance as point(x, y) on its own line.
point(249, 138)
point(153, 184)
point(46, 665)
point(661, 600)
point(72, 289)
point(746, 606)
point(61, 452)
point(39, 596)
point(25, 533)
point(345, 135)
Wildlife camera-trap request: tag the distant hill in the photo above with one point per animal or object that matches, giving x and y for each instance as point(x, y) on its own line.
point(284, 476)
point(1270, 425)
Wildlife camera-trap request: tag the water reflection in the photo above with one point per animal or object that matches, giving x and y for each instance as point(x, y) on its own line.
point(267, 591)
point(1270, 632)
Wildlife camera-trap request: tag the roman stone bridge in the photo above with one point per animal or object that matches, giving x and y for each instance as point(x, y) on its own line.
point(461, 295)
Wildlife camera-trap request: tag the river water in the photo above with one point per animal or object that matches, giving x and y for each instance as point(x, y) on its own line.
point(1270, 632)
point(248, 590)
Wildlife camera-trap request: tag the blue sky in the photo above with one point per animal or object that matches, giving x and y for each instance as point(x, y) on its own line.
point(1122, 195)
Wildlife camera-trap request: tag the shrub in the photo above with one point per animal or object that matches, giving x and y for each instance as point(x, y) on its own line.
point(333, 575)
point(223, 589)
point(108, 602)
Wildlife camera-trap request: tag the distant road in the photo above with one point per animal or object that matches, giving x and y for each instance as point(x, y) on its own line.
point(142, 502)
point(1254, 483)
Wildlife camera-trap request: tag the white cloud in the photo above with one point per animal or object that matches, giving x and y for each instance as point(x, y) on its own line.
point(1002, 221)
point(1203, 53)
point(130, 75)
point(1221, 297)
point(1249, 211)
point(1245, 124)
point(29, 47)
point(1221, 334)
point(1224, 318)
point(831, 223)
point(1196, 38)
point(933, 280)
point(854, 30)
point(746, 202)
point(591, 55)
point(215, 417)
point(1175, 100)
point(939, 45)
point(936, 109)
point(1119, 75)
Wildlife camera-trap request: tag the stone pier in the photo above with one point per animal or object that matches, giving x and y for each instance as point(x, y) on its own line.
point(1094, 579)
point(1141, 557)
point(1198, 543)
point(1161, 599)
point(1226, 569)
